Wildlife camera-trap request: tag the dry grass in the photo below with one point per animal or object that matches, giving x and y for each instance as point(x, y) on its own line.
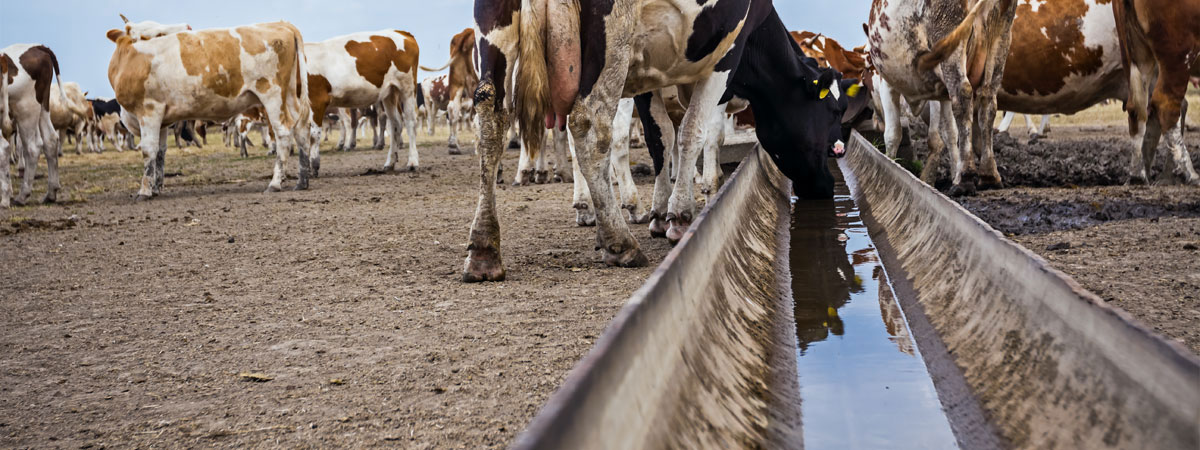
point(93, 174)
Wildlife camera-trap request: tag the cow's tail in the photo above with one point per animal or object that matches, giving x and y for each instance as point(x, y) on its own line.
point(54, 60)
point(945, 47)
point(439, 69)
point(302, 82)
point(420, 96)
point(5, 122)
point(532, 90)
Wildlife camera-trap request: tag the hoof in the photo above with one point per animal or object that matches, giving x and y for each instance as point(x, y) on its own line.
point(963, 189)
point(301, 186)
point(141, 198)
point(584, 216)
point(636, 218)
point(483, 269)
point(678, 227)
point(658, 227)
point(273, 188)
point(388, 167)
point(454, 150)
point(987, 184)
point(50, 197)
point(541, 177)
point(628, 258)
point(411, 168)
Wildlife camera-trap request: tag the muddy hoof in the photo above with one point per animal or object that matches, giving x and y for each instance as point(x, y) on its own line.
point(272, 188)
point(483, 269)
point(50, 197)
point(301, 186)
point(541, 177)
point(138, 199)
point(963, 189)
point(636, 218)
point(454, 150)
point(658, 227)
point(986, 184)
point(628, 258)
point(412, 168)
point(585, 218)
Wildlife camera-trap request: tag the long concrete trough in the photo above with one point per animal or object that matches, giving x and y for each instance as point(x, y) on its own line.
point(704, 355)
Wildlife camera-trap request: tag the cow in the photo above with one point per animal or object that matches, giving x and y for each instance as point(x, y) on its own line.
point(32, 68)
point(72, 113)
point(436, 92)
point(384, 72)
point(6, 129)
point(108, 123)
point(250, 120)
point(462, 76)
point(962, 85)
point(1160, 48)
point(212, 74)
point(604, 51)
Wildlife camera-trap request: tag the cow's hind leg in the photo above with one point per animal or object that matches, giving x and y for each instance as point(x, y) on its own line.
point(5, 183)
point(483, 252)
point(152, 133)
point(581, 197)
point(52, 148)
point(620, 163)
point(681, 209)
point(408, 112)
point(562, 158)
point(453, 113)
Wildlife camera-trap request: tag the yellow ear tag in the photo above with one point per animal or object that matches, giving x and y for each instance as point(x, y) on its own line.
point(815, 81)
point(853, 90)
point(824, 93)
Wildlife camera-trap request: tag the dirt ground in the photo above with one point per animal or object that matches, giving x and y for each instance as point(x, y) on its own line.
point(1134, 246)
point(217, 315)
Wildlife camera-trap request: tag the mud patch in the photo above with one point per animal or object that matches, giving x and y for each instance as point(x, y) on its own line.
point(1034, 211)
point(27, 225)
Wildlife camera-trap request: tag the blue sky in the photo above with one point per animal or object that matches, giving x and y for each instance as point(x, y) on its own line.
point(75, 29)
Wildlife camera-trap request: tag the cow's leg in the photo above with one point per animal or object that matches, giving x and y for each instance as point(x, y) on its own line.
point(78, 136)
point(681, 209)
point(524, 166)
point(660, 142)
point(1005, 122)
point(453, 111)
point(541, 172)
point(936, 141)
point(160, 164)
point(710, 179)
point(379, 128)
point(5, 183)
point(620, 163)
point(152, 132)
point(893, 131)
point(314, 149)
point(281, 143)
point(612, 233)
point(389, 105)
point(962, 103)
point(581, 197)
point(562, 157)
point(52, 148)
point(484, 262)
point(409, 111)
point(1167, 99)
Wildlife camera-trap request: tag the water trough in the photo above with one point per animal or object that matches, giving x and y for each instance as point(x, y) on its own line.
point(704, 355)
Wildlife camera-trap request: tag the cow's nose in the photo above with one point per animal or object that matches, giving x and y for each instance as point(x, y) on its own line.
point(838, 150)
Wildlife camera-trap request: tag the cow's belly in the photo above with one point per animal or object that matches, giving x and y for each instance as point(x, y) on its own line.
point(659, 56)
point(1077, 92)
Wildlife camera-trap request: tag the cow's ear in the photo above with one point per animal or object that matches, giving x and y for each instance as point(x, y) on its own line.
point(823, 83)
point(114, 34)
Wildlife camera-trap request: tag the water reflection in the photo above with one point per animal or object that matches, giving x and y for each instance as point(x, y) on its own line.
point(863, 383)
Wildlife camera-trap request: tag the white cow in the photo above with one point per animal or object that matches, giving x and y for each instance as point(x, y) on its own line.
point(72, 112)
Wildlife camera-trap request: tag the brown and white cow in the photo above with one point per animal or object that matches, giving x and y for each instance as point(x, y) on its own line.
point(72, 113)
point(361, 69)
point(462, 78)
point(31, 69)
point(436, 92)
point(212, 74)
point(1160, 42)
point(914, 47)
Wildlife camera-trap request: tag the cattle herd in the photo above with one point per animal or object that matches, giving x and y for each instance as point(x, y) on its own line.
point(581, 71)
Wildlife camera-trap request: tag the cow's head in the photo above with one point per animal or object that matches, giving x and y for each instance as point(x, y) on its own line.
point(803, 127)
point(148, 29)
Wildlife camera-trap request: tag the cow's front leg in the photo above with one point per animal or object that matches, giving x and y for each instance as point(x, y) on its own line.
point(160, 164)
point(152, 134)
point(612, 233)
point(660, 142)
point(710, 178)
point(453, 112)
point(581, 197)
point(52, 148)
point(483, 252)
point(620, 163)
point(5, 183)
point(409, 112)
point(681, 209)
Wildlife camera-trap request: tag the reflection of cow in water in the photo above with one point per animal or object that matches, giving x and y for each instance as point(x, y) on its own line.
point(893, 318)
point(822, 275)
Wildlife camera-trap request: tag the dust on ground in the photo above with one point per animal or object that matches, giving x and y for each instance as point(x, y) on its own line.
point(217, 315)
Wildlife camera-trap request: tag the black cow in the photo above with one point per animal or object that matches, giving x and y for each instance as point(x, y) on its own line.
point(581, 62)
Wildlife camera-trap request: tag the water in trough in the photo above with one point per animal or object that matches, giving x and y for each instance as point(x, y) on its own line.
point(863, 384)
